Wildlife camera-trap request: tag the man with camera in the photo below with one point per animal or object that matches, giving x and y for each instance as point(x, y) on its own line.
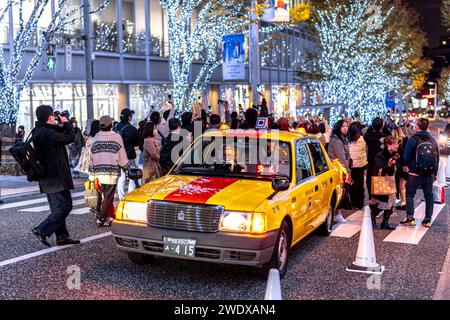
point(50, 138)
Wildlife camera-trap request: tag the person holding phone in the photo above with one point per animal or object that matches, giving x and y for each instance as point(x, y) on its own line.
point(50, 143)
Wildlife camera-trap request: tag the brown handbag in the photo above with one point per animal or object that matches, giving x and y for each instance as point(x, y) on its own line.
point(383, 185)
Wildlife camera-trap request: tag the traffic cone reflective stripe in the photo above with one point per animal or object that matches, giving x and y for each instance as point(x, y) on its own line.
point(366, 261)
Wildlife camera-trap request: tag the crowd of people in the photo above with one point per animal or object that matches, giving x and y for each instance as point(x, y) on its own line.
point(108, 150)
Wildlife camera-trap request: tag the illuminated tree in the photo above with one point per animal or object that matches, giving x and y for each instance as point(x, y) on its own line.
point(12, 82)
point(189, 41)
point(368, 48)
point(444, 85)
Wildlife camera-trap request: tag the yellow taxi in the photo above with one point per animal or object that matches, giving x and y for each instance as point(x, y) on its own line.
point(234, 197)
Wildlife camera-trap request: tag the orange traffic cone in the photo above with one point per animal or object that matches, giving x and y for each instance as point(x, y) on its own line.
point(366, 261)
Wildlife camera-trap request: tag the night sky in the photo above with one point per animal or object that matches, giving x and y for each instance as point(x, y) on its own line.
point(431, 19)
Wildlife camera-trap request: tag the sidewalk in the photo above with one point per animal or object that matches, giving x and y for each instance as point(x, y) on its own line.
point(13, 186)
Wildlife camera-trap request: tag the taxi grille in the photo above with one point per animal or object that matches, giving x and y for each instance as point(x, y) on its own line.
point(182, 216)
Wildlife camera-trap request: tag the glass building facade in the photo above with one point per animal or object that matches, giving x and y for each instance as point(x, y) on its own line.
point(131, 69)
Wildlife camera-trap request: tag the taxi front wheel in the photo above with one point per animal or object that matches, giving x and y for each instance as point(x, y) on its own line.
point(280, 254)
point(140, 258)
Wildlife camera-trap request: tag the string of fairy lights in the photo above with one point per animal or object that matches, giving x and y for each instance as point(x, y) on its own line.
point(11, 87)
point(355, 61)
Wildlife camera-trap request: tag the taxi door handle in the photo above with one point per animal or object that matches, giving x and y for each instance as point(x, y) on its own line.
point(316, 188)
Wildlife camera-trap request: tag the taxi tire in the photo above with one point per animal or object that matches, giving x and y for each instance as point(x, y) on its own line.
point(327, 227)
point(284, 233)
point(140, 258)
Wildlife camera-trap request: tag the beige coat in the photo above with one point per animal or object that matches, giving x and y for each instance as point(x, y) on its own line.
point(152, 169)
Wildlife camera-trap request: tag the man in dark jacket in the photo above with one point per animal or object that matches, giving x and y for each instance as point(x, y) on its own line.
point(130, 138)
point(50, 143)
point(374, 139)
point(417, 179)
point(166, 160)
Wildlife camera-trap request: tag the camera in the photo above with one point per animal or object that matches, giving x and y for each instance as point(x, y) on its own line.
point(64, 114)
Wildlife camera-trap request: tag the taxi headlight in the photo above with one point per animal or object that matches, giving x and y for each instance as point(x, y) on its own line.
point(134, 211)
point(243, 222)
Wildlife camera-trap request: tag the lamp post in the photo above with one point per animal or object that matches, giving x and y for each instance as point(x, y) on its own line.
point(88, 61)
point(254, 56)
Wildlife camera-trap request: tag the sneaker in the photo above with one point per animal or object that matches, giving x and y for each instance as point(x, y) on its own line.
point(408, 223)
point(108, 222)
point(426, 223)
point(339, 218)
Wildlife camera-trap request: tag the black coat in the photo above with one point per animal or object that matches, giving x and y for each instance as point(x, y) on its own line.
point(372, 139)
point(165, 159)
point(50, 144)
point(381, 163)
point(130, 138)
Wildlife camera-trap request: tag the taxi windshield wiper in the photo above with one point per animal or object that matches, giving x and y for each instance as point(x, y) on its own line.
point(200, 171)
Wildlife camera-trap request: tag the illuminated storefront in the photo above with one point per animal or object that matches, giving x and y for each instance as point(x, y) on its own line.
point(70, 97)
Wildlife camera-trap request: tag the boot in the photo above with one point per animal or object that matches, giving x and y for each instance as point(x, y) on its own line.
point(373, 214)
point(385, 224)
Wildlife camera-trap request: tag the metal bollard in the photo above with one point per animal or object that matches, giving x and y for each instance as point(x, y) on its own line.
point(273, 289)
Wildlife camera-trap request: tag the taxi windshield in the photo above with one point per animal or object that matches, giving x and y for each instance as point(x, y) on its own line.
point(242, 157)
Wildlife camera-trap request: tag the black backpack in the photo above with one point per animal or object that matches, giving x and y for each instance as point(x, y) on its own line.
point(25, 156)
point(426, 157)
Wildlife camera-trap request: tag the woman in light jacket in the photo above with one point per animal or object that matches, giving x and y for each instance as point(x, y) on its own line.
point(107, 158)
point(151, 149)
point(338, 149)
point(358, 164)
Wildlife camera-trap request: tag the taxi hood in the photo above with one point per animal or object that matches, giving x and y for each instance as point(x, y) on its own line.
point(233, 193)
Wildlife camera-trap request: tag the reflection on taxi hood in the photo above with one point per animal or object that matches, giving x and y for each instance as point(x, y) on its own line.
point(232, 193)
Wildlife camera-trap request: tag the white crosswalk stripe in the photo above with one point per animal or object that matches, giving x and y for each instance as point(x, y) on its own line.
point(42, 205)
point(413, 235)
point(30, 202)
point(47, 207)
point(349, 229)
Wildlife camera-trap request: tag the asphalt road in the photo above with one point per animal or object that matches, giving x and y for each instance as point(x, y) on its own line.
point(316, 270)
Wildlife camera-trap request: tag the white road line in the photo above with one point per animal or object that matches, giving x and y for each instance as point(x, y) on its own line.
point(34, 201)
point(80, 211)
point(413, 235)
point(47, 207)
point(50, 250)
point(349, 229)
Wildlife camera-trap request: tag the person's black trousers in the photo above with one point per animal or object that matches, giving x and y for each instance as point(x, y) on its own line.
point(370, 169)
point(107, 205)
point(60, 206)
point(357, 194)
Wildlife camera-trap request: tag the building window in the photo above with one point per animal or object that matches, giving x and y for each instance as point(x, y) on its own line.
point(105, 27)
point(156, 28)
point(144, 99)
point(133, 26)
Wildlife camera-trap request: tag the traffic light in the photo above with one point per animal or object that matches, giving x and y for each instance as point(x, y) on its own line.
point(51, 62)
point(50, 59)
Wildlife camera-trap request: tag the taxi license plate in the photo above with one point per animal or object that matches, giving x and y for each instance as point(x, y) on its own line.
point(179, 247)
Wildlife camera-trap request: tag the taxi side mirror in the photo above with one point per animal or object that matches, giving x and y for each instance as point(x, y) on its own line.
point(134, 174)
point(280, 184)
